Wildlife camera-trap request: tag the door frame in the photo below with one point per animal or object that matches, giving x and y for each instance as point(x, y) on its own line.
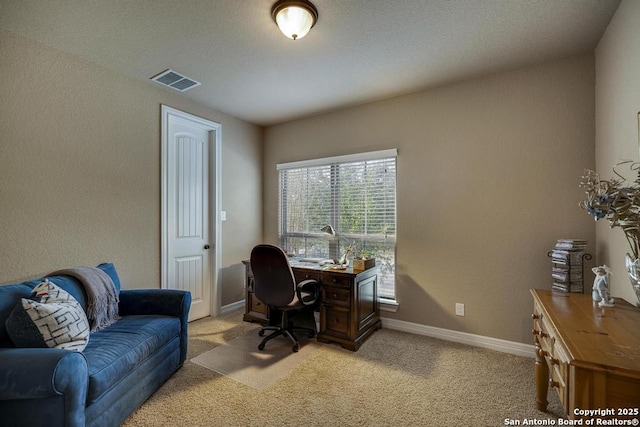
point(215, 200)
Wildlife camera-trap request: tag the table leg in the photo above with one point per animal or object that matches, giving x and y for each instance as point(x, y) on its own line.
point(541, 372)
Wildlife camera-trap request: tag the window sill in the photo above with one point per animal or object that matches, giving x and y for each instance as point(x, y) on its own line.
point(388, 304)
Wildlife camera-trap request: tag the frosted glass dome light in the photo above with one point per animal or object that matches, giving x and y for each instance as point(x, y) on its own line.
point(294, 17)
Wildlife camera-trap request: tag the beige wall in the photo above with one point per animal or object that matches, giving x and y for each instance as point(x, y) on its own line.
point(488, 175)
point(80, 170)
point(487, 181)
point(617, 107)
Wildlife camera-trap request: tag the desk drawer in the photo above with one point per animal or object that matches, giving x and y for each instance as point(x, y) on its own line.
point(336, 280)
point(255, 305)
point(333, 295)
point(559, 379)
point(300, 276)
point(336, 321)
point(543, 331)
point(546, 339)
point(554, 353)
point(558, 363)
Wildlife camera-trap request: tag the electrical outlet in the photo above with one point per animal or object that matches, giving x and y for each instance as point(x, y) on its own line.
point(459, 309)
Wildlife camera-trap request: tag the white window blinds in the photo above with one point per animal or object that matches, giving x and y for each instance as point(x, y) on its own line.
point(355, 194)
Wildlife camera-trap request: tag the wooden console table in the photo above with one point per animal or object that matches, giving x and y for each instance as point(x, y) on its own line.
point(349, 311)
point(590, 355)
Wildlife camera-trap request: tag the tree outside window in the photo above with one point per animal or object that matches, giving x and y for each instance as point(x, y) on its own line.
point(358, 198)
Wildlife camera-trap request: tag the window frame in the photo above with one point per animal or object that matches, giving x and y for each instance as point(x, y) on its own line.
point(387, 302)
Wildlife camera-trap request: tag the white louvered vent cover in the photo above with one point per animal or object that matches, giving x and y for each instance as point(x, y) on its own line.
point(174, 80)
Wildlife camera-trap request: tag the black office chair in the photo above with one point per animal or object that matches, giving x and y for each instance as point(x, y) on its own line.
point(275, 285)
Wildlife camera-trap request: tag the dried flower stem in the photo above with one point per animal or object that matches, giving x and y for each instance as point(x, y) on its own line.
point(615, 200)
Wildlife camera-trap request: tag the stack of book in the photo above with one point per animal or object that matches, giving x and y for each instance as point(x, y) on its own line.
point(567, 265)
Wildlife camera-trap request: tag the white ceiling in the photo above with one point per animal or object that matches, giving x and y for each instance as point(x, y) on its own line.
point(359, 51)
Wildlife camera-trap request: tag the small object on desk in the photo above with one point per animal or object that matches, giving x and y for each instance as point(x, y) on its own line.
point(361, 264)
point(317, 260)
point(344, 259)
point(601, 286)
point(567, 264)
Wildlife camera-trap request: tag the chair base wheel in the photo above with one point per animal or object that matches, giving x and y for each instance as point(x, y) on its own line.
point(285, 329)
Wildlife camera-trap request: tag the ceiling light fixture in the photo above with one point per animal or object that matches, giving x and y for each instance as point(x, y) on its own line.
point(294, 17)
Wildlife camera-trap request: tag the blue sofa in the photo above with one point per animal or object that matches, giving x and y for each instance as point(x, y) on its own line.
point(119, 369)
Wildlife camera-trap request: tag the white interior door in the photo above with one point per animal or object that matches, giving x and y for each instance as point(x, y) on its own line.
point(189, 209)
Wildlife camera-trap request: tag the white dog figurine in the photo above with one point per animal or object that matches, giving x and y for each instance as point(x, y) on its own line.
point(601, 286)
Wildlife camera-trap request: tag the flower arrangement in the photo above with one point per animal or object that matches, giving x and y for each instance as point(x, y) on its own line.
point(615, 200)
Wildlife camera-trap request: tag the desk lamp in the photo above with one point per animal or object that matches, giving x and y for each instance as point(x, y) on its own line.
point(328, 229)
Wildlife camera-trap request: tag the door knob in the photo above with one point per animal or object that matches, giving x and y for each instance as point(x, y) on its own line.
point(207, 246)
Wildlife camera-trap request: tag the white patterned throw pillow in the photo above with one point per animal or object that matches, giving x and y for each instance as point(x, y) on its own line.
point(54, 319)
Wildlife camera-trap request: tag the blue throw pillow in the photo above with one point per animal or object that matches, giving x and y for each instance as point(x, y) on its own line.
point(110, 269)
point(21, 329)
point(53, 319)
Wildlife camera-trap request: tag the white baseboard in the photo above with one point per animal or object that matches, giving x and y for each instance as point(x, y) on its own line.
point(511, 347)
point(519, 349)
point(226, 309)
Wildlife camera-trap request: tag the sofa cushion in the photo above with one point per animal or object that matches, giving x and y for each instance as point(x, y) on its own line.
point(52, 319)
point(110, 269)
point(118, 349)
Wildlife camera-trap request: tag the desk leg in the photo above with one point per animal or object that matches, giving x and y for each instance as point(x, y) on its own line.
point(541, 372)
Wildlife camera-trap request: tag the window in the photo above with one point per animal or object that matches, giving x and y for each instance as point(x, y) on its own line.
point(355, 194)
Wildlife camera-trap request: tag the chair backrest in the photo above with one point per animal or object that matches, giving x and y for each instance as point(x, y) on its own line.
point(273, 280)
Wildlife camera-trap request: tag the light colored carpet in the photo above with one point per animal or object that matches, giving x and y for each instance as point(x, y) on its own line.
point(394, 379)
point(241, 360)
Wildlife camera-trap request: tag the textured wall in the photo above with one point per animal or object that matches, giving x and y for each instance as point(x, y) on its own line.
point(80, 170)
point(488, 174)
point(617, 107)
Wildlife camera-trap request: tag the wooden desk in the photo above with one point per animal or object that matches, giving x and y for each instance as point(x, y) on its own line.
point(349, 311)
point(590, 355)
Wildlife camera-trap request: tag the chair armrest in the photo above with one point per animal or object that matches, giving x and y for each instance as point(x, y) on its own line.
point(166, 302)
point(39, 378)
point(308, 291)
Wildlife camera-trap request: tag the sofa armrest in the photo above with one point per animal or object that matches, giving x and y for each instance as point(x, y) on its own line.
point(36, 381)
point(166, 302)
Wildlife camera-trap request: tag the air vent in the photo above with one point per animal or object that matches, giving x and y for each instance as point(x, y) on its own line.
point(174, 80)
